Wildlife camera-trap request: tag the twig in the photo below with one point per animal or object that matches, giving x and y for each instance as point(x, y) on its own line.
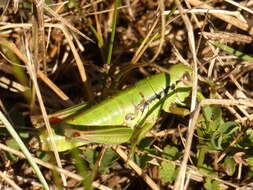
point(136, 168)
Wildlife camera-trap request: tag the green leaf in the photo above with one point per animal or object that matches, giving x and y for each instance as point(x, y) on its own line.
point(213, 118)
point(249, 160)
point(167, 172)
point(109, 159)
point(141, 160)
point(208, 170)
point(12, 144)
point(170, 152)
point(145, 143)
point(247, 139)
point(211, 184)
point(83, 169)
point(202, 149)
point(224, 134)
point(228, 127)
point(90, 156)
point(229, 165)
point(87, 181)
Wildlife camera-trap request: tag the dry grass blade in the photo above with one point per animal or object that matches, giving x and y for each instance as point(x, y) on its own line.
point(39, 35)
point(144, 45)
point(226, 37)
point(75, 53)
point(58, 91)
point(33, 66)
point(200, 11)
point(4, 4)
point(179, 184)
point(9, 181)
point(161, 41)
point(12, 86)
point(64, 21)
point(239, 6)
point(32, 72)
point(229, 19)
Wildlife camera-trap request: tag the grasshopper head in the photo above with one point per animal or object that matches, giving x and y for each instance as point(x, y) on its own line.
point(180, 71)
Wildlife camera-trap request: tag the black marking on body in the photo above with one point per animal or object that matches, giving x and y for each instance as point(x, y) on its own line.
point(144, 103)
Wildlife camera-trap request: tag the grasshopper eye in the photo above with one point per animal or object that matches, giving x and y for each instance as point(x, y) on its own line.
point(186, 78)
point(129, 117)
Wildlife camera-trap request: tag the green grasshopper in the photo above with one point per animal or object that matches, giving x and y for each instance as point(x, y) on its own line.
point(125, 117)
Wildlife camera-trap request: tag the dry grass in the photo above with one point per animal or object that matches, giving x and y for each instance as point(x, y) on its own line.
point(54, 56)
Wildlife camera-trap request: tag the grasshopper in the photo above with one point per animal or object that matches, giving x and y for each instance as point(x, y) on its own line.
point(125, 117)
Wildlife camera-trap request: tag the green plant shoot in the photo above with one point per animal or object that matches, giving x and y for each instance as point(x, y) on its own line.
point(125, 117)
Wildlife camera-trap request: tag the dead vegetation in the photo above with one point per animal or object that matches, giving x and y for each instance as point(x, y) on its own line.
point(55, 54)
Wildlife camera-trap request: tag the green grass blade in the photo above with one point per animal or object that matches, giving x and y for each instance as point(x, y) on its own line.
point(114, 23)
point(24, 150)
point(232, 51)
